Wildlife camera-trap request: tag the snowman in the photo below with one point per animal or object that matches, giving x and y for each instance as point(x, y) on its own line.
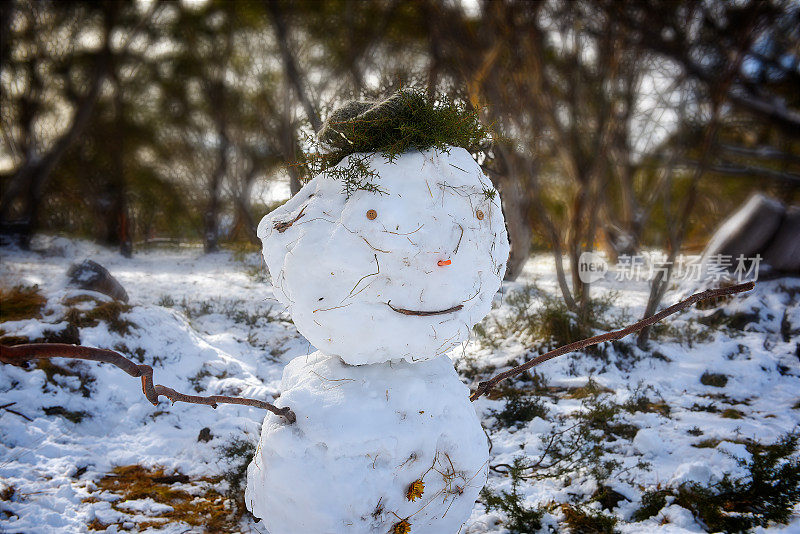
point(383, 280)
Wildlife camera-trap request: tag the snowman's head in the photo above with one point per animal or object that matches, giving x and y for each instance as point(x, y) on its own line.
point(400, 273)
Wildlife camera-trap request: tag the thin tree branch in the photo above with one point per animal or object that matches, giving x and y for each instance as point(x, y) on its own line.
point(9, 410)
point(734, 169)
point(21, 353)
point(486, 386)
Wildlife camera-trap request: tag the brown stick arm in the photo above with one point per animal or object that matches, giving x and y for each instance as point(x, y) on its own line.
point(22, 353)
point(486, 386)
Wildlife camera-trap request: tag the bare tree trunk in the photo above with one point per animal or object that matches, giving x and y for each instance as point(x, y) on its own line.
point(29, 182)
point(117, 231)
point(516, 207)
point(6, 14)
point(290, 63)
point(244, 220)
point(661, 282)
point(718, 98)
point(211, 215)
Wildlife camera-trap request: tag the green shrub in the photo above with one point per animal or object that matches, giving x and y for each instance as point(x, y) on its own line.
point(543, 321)
point(521, 519)
point(768, 493)
point(519, 409)
point(587, 521)
point(237, 454)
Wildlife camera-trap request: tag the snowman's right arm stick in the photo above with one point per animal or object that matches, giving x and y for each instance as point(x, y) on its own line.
point(21, 353)
point(486, 386)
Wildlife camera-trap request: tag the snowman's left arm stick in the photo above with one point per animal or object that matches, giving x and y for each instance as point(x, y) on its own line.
point(486, 386)
point(21, 353)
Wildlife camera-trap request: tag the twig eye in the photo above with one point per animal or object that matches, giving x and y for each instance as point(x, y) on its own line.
point(479, 214)
point(372, 214)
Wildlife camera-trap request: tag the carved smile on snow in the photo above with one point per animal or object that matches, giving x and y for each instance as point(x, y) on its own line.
point(422, 313)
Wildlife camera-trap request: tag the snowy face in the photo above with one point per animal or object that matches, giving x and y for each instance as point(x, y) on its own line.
point(400, 274)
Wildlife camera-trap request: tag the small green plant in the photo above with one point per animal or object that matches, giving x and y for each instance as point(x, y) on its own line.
point(587, 521)
point(543, 321)
point(521, 519)
point(688, 332)
point(640, 402)
point(519, 409)
point(237, 455)
point(608, 497)
point(166, 301)
point(653, 501)
point(768, 493)
point(733, 321)
point(601, 415)
point(357, 176)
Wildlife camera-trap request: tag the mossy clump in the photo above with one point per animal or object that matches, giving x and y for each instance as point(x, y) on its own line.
point(70, 415)
point(202, 508)
point(601, 415)
point(732, 413)
point(768, 493)
point(20, 302)
point(109, 312)
point(62, 375)
point(406, 120)
point(591, 389)
point(716, 380)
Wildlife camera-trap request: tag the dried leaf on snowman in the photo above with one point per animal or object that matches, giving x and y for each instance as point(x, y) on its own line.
point(385, 260)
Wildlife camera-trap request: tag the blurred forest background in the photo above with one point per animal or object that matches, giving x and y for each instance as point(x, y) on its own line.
point(620, 124)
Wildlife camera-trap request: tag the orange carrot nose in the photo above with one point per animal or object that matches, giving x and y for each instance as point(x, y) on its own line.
point(442, 263)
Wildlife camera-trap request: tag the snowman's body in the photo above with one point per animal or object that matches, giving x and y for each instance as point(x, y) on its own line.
point(383, 284)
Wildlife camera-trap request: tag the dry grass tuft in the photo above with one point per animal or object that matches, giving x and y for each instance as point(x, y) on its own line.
point(106, 312)
point(21, 302)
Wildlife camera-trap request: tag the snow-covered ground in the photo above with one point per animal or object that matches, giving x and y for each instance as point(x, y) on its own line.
point(208, 324)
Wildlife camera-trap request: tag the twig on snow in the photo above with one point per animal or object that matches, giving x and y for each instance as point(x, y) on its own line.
point(485, 387)
point(22, 353)
point(6, 408)
point(284, 225)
